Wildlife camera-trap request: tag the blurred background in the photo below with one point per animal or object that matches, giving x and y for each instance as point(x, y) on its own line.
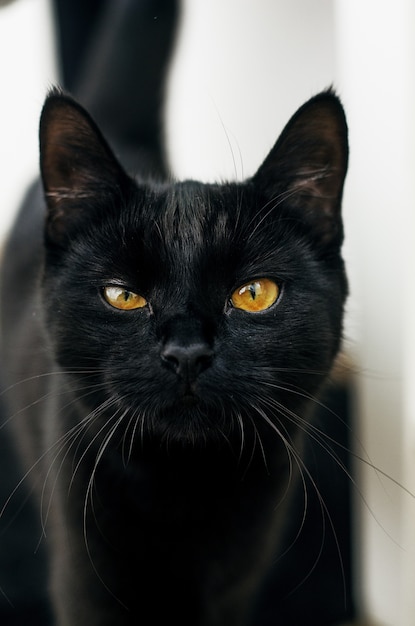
point(241, 69)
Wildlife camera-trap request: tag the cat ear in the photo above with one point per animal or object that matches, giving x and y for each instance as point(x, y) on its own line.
point(307, 166)
point(78, 169)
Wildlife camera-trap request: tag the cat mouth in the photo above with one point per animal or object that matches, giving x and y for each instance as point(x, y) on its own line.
point(189, 400)
point(187, 396)
point(186, 403)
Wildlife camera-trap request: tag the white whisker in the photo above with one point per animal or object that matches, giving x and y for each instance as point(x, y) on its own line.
point(304, 471)
point(89, 497)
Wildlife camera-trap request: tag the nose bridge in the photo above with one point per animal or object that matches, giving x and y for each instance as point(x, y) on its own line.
point(187, 346)
point(186, 330)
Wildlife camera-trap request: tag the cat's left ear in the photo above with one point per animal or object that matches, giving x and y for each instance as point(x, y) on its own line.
point(307, 166)
point(79, 171)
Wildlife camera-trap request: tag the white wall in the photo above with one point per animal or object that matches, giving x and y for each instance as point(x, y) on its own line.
point(27, 70)
point(242, 68)
point(376, 64)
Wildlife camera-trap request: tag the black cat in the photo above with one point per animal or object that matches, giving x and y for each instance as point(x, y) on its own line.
point(165, 343)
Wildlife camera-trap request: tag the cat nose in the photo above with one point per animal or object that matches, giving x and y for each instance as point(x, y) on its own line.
point(187, 361)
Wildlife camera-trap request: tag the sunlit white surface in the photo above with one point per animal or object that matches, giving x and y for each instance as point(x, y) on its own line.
point(27, 70)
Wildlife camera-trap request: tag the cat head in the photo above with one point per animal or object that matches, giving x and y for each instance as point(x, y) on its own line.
point(188, 310)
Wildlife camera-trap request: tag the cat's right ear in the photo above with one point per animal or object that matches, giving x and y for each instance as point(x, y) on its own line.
point(79, 171)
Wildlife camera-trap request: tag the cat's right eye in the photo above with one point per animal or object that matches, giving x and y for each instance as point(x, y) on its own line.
point(123, 299)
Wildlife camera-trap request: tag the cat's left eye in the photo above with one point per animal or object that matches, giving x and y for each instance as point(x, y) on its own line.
point(255, 296)
point(121, 298)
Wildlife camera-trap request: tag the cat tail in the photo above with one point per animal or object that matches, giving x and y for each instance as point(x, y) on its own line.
point(123, 80)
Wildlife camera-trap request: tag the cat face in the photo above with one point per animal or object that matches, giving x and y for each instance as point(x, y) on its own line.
point(192, 311)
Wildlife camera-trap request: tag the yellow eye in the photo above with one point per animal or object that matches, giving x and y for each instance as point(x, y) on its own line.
point(256, 296)
point(121, 298)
